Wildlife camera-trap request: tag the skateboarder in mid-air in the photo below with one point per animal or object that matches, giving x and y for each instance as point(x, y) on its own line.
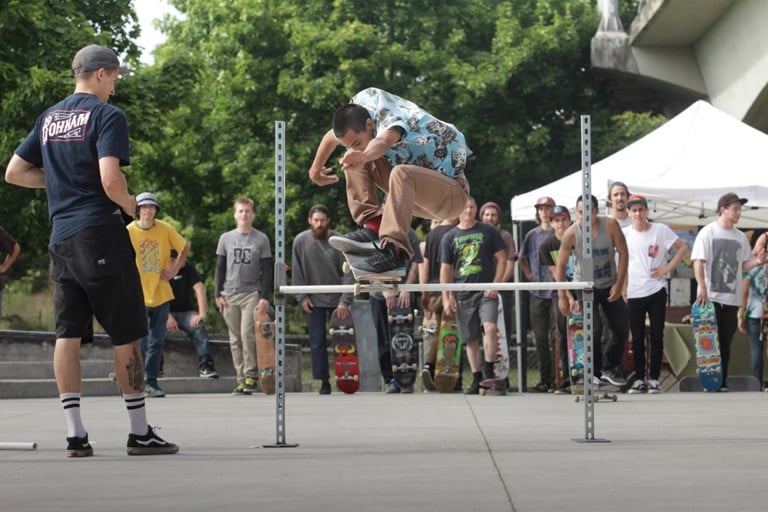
point(394, 145)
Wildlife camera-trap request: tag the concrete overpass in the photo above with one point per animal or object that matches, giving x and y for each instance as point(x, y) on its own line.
point(691, 49)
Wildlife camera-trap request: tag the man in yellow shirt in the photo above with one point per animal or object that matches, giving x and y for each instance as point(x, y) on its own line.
point(152, 241)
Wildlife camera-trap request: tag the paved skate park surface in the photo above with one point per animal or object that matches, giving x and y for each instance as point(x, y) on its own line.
point(420, 452)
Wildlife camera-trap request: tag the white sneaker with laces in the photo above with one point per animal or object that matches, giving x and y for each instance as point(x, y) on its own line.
point(654, 388)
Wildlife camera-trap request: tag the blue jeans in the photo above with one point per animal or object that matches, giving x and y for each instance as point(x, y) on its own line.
point(152, 343)
point(318, 342)
point(756, 347)
point(198, 335)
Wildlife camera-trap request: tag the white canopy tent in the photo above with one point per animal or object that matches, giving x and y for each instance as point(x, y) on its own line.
point(682, 168)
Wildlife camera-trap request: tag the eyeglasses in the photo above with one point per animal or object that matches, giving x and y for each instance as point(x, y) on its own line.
point(559, 209)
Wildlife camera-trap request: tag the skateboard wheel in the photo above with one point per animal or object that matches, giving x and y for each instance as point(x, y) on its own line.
point(332, 331)
point(345, 267)
point(483, 391)
point(394, 368)
point(357, 288)
point(410, 317)
point(389, 318)
point(414, 367)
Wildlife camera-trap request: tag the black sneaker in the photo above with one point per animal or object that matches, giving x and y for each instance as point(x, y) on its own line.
point(149, 444)
point(613, 377)
point(356, 242)
point(388, 260)
point(79, 447)
point(325, 388)
point(209, 372)
point(427, 379)
point(473, 389)
point(152, 389)
point(488, 372)
point(392, 387)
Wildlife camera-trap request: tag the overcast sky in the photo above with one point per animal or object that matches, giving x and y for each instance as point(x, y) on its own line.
point(148, 11)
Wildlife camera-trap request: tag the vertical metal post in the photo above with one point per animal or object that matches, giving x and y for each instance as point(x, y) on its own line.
point(522, 369)
point(587, 274)
point(280, 280)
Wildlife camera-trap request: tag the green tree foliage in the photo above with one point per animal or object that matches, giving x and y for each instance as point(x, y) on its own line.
point(513, 75)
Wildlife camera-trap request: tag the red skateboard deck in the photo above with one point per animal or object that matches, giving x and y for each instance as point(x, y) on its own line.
point(345, 362)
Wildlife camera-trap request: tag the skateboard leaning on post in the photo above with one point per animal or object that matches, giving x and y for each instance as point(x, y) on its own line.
point(402, 348)
point(345, 362)
point(708, 359)
point(448, 355)
point(264, 326)
point(576, 362)
point(498, 383)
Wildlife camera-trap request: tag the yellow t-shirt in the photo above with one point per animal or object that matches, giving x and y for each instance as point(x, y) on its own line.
point(153, 254)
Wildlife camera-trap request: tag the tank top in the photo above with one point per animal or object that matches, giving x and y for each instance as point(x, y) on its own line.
point(603, 256)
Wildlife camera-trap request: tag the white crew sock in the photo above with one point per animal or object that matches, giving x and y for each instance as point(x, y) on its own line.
point(137, 414)
point(71, 404)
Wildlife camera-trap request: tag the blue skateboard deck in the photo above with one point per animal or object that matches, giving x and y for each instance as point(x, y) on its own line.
point(576, 348)
point(708, 359)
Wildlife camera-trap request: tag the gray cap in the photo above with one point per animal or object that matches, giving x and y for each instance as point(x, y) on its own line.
point(94, 57)
point(147, 198)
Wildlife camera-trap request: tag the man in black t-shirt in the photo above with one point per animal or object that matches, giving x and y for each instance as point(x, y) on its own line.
point(185, 317)
point(474, 252)
point(82, 142)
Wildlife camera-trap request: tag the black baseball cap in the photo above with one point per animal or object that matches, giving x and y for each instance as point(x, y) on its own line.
point(93, 57)
point(728, 199)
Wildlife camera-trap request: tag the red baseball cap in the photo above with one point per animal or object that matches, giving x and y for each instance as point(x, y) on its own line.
point(545, 201)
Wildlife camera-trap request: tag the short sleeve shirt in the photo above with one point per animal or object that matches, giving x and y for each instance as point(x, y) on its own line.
point(723, 252)
point(427, 142)
point(153, 255)
point(67, 142)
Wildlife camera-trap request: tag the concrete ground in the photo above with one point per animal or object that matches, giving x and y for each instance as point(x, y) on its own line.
point(420, 452)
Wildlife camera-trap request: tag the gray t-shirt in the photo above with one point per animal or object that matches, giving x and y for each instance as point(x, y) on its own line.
point(315, 262)
point(243, 252)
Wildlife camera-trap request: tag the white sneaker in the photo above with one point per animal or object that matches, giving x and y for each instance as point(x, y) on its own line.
point(654, 388)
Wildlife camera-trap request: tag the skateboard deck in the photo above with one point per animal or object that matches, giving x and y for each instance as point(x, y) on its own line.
point(429, 342)
point(350, 265)
point(402, 347)
point(448, 355)
point(575, 349)
point(501, 364)
point(264, 325)
point(708, 360)
point(576, 341)
point(345, 362)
